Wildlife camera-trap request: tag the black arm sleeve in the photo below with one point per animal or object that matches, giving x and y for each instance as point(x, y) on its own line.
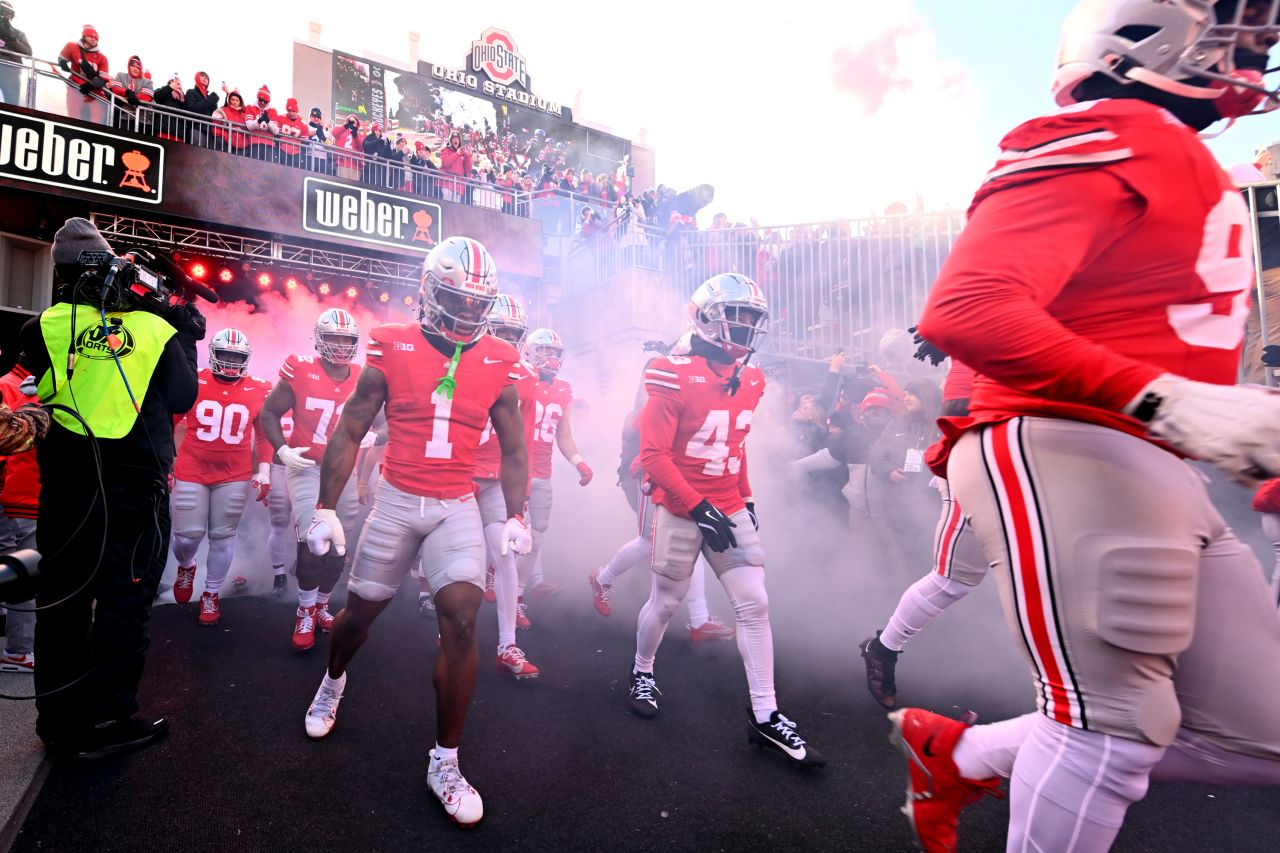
point(176, 375)
point(827, 398)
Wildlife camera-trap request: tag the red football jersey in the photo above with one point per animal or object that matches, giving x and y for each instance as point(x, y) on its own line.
point(222, 430)
point(317, 402)
point(550, 401)
point(489, 454)
point(1087, 270)
point(432, 439)
point(692, 433)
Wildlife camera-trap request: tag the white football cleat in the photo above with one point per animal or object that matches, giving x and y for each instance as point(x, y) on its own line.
point(324, 709)
point(461, 801)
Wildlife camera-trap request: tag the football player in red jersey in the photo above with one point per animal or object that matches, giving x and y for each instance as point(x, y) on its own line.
point(509, 322)
point(1100, 291)
point(442, 380)
point(314, 390)
point(550, 397)
point(958, 566)
point(692, 434)
point(213, 473)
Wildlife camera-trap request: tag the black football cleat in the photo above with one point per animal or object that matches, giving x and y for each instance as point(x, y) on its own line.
point(643, 701)
point(880, 662)
point(780, 734)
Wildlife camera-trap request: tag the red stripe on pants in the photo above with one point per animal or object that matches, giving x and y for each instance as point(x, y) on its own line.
point(1028, 570)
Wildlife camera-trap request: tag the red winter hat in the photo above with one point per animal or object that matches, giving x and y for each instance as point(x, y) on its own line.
point(135, 60)
point(264, 93)
point(89, 31)
point(375, 126)
point(419, 145)
point(291, 105)
point(878, 397)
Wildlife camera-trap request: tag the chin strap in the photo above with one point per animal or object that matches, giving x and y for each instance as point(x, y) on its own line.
point(735, 379)
point(448, 384)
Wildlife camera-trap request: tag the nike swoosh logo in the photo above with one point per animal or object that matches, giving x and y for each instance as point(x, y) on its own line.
point(793, 751)
point(755, 382)
point(928, 748)
point(488, 360)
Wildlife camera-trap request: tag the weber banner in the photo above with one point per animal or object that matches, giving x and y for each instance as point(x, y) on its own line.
point(356, 213)
point(42, 151)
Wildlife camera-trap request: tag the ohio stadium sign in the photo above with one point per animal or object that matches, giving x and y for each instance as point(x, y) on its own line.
point(496, 68)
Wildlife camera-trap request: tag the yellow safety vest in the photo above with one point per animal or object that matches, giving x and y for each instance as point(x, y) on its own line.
point(96, 389)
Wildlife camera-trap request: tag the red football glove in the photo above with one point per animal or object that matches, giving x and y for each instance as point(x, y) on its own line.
point(261, 482)
point(584, 473)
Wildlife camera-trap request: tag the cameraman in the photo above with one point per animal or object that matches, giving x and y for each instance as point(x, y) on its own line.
point(13, 47)
point(126, 381)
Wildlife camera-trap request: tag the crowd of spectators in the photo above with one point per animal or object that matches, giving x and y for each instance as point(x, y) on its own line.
point(483, 166)
point(858, 453)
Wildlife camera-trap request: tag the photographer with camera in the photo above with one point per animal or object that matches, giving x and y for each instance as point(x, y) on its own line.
point(116, 360)
point(13, 47)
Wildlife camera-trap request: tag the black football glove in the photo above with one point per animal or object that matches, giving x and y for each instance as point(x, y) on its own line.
point(751, 511)
point(715, 527)
point(187, 319)
point(132, 97)
point(1271, 356)
point(64, 64)
point(926, 351)
point(86, 88)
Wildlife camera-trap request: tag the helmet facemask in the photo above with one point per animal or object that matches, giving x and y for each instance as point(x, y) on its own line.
point(513, 335)
point(736, 327)
point(454, 314)
point(546, 359)
point(335, 348)
point(228, 363)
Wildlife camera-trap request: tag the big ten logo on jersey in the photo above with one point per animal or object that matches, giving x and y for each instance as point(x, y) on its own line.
point(309, 360)
point(546, 420)
point(227, 423)
point(328, 409)
point(718, 445)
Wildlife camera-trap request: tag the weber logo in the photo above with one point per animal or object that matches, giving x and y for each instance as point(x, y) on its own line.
point(40, 151)
point(357, 213)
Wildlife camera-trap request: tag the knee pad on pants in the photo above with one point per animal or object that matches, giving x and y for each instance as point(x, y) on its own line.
point(184, 548)
point(371, 590)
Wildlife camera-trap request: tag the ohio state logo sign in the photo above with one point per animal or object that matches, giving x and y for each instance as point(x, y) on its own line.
point(495, 53)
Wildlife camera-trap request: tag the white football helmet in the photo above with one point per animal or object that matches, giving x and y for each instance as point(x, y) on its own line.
point(1197, 49)
point(730, 311)
point(508, 320)
point(544, 351)
point(229, 353)
point(337, 336)
point(459, 287)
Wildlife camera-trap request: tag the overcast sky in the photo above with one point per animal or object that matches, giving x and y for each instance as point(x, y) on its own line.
point(805, 110)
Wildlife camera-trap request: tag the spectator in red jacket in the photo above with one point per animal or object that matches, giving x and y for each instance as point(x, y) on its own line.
point(229, 124)
point(295, 134)
point(455, 159)
point(19, 502)
point(89, 75)
point(263, 123)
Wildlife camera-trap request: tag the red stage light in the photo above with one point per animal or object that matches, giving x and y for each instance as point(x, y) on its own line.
point(384, 297)
point(408, 300)
point(324, 289)
point(264, 279)
point(199, 272)
point(225, 275)
point(291, 283)
point(352, 293)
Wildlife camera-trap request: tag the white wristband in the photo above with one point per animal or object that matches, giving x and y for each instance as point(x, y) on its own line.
point(575, 459)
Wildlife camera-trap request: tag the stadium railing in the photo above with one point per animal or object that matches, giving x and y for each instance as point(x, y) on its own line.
point(44, 89)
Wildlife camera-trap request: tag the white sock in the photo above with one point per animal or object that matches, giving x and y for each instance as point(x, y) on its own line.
point(221, 553)
point(335, 683)
point(443, 753)
point(322, 599)
point(628, 557)
point(922, 601)
point(696, 600)
point(989, 750)
point(184, 549)
point(535, 577)
point(750, 600)
point(277, 570)
point(665, 596)
point(764, 716)
point(307, 597)
point(506, 595)
point(1070, 788)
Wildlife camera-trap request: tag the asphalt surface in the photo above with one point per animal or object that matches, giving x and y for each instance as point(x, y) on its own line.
point(560, 761)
